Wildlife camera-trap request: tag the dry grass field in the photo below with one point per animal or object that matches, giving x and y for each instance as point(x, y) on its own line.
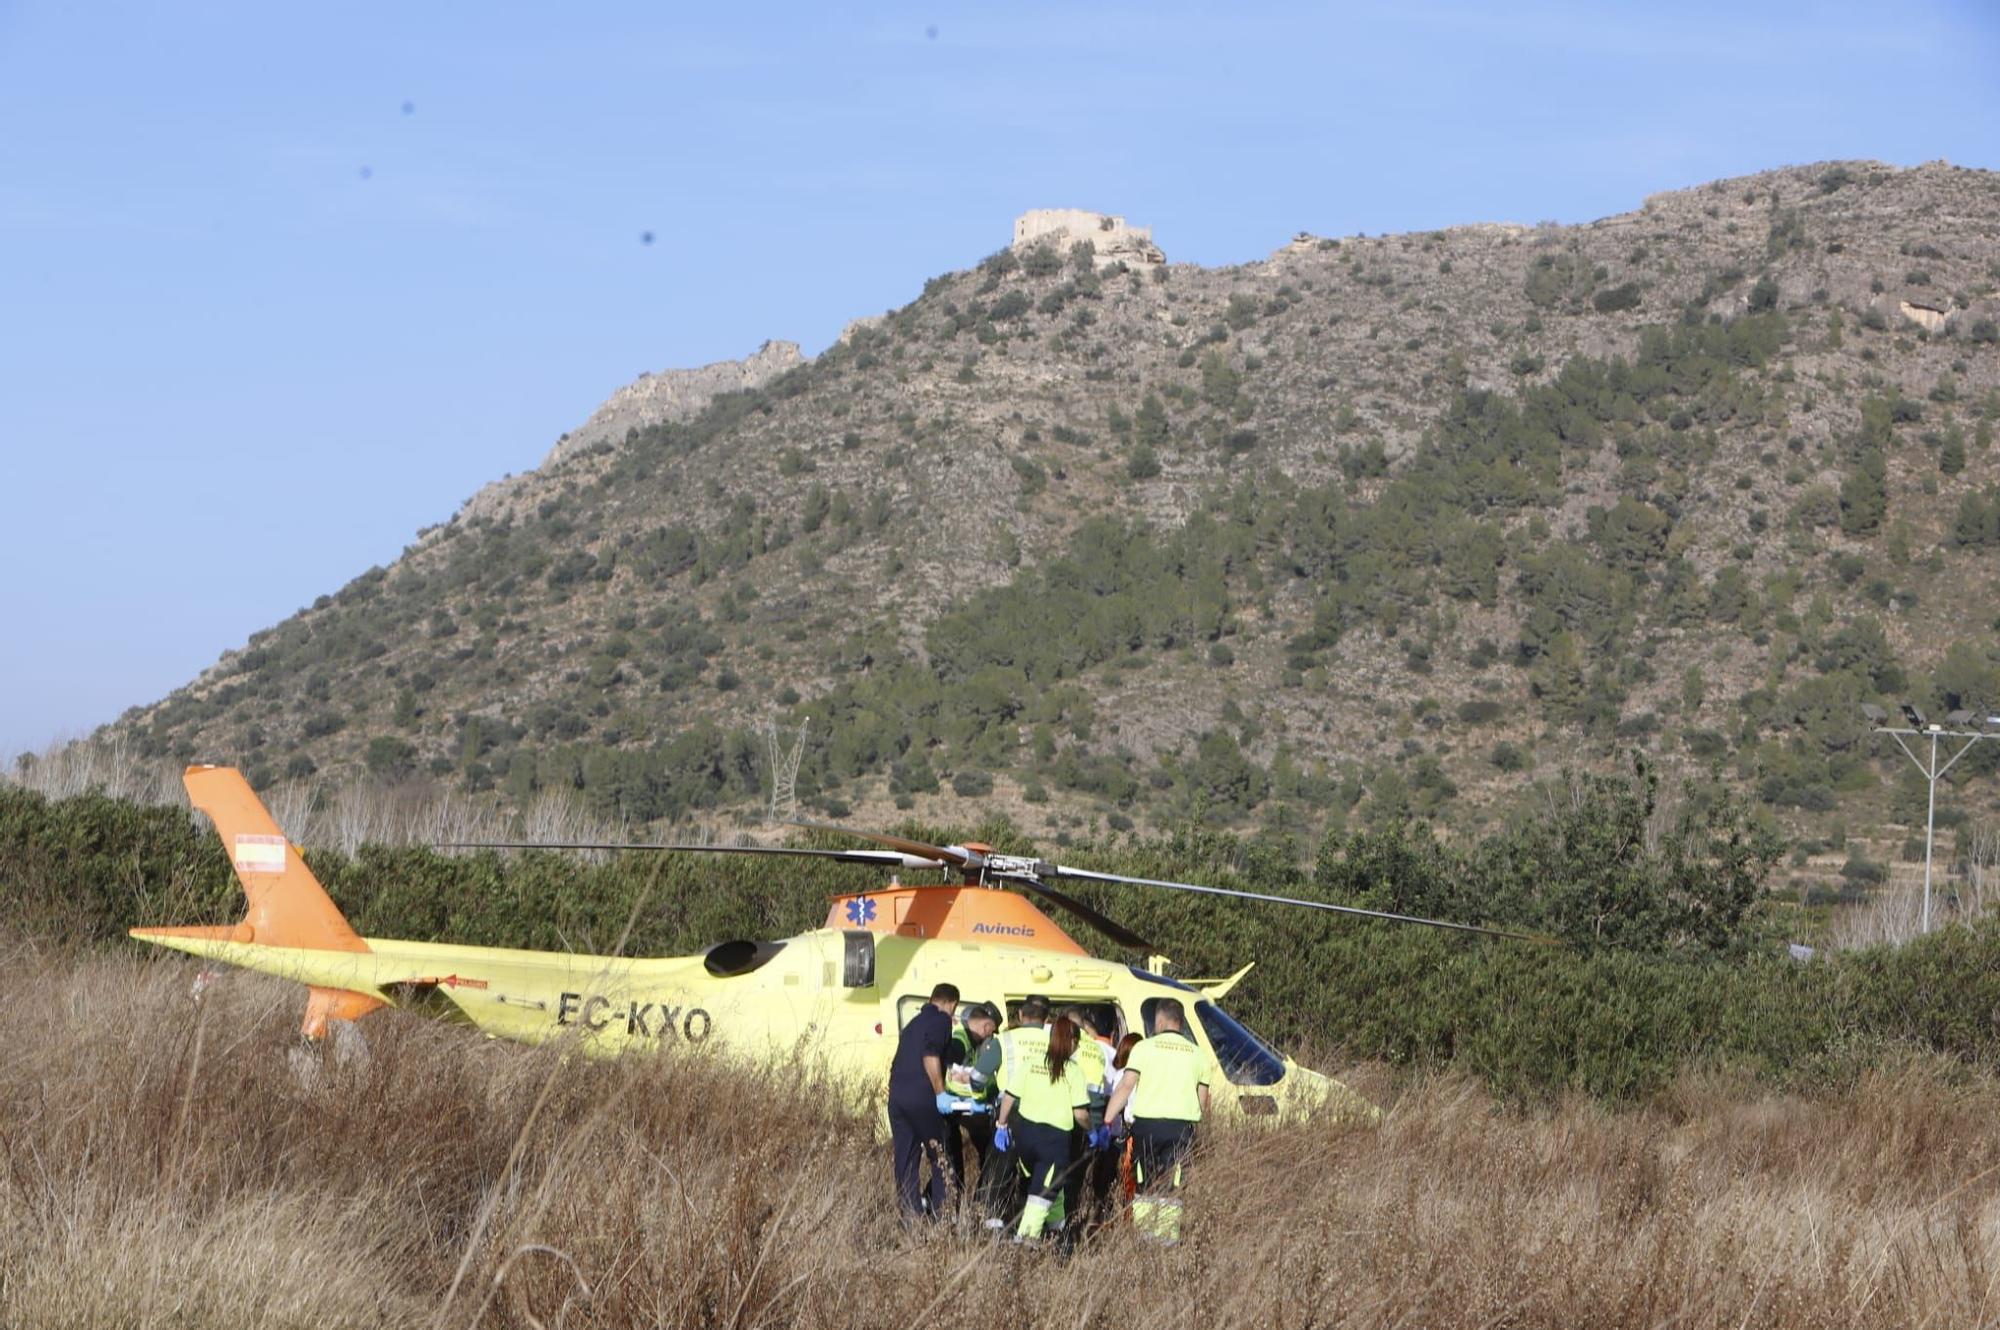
point(169, 1162)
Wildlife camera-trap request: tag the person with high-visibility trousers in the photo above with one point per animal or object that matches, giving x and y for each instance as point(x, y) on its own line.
point(1089, 1186)
point(976, 1093)
point(1000, 1173)
point(1166, 1083)
point(1043, 1100)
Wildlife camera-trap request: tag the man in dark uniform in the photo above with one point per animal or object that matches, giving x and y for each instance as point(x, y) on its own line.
point(916, 1104)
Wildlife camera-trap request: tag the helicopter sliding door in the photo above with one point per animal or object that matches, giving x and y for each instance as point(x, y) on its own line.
point(1104, 1015)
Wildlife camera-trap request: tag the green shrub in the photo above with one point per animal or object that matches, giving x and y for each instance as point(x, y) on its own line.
point(913, 776)
point(1863, 872)
point(1613, 299)
point(1042, 261)
point(1864, 495)
point(1034, 476)
point(390, 758)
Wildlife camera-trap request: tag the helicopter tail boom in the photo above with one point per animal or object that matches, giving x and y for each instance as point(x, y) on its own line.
point(285, 906)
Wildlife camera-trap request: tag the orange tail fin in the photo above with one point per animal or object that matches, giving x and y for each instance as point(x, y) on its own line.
point(287, 905)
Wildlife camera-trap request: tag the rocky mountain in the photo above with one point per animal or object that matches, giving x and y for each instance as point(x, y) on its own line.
point(651, 399)
point(1371, 526)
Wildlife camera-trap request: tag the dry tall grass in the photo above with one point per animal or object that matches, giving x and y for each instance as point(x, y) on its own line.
point(167, 1163)
point(1965, 884)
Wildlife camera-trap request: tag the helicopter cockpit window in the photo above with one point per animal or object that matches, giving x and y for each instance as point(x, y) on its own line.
point(1245, 1059)
point(858, 965)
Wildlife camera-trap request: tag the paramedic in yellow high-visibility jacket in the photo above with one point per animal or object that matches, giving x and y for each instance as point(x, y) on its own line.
point(1042, 1099)
point(1166, 1082)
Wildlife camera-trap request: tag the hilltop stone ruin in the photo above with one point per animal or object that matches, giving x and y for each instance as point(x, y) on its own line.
point(1114, 240)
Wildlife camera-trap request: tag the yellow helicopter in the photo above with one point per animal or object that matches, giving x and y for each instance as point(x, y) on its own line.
point(833, 999)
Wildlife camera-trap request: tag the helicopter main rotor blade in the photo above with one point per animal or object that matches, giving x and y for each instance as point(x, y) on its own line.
point(1111, 928)
point(934, 856)
point(1016, 871)
point(1086, 875)
point(878, 858)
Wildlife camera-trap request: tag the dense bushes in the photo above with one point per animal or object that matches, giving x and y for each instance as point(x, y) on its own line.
point(88, 868)
point(1673, 961)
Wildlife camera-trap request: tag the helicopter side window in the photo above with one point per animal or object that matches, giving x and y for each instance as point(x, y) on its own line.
point(858, 964)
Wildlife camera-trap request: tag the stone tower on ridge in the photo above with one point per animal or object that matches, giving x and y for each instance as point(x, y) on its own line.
point(1115, 242)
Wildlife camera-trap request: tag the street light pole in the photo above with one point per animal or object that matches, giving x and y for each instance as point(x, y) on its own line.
point(1932, 771)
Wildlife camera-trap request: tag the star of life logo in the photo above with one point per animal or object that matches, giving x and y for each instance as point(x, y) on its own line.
point(861, 912)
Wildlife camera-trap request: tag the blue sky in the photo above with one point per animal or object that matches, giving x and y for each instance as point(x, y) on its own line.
point(280, 284)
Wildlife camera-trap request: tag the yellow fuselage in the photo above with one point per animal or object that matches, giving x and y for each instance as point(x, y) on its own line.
point(829, 1002)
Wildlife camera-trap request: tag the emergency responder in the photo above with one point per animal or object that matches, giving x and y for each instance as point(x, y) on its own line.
point(1086, 1193)
point(1166, 1081)
point(976, 1027)
point(918, 1103)
point(1000, 1175)
point(1042, 1100)
point(1121, 1126)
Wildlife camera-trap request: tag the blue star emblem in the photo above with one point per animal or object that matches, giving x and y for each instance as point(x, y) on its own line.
point(861, 911)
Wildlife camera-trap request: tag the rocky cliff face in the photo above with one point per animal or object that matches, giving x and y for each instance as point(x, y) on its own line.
point(652, 399)
point(674, 394)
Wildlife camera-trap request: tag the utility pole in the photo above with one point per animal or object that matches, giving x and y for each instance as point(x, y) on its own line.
point(1934, 732)
point(785, 772)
